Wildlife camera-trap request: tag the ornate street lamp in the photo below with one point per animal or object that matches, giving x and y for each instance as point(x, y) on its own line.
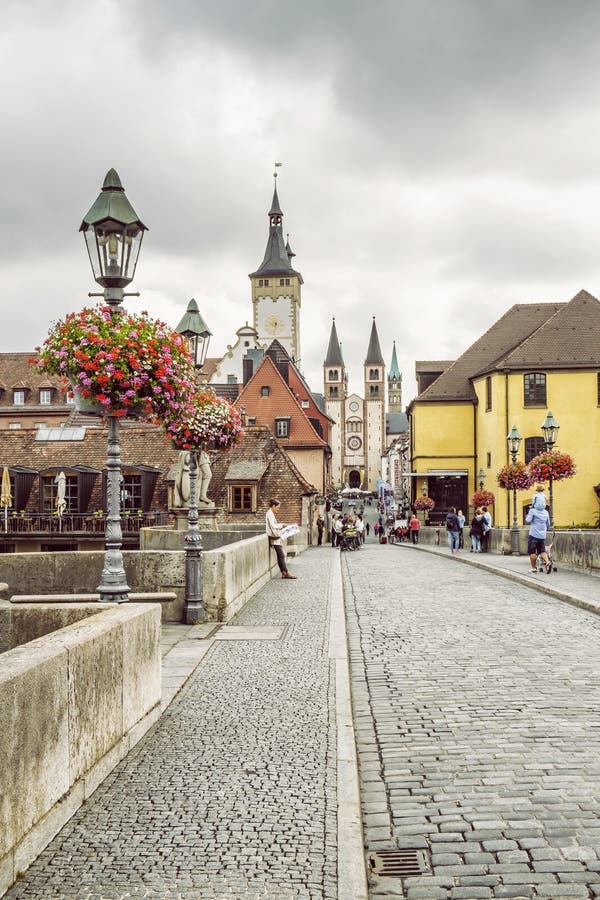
point(113, 235)
point(194, 328)
point(481, 478)
point(196, 331)
point(550, 431)
point(514, 440)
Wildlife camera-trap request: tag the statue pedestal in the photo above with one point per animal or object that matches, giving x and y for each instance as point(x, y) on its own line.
point(207, 518)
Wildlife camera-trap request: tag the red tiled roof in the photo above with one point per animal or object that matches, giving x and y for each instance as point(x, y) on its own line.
point(16, 371)
point(280, 402)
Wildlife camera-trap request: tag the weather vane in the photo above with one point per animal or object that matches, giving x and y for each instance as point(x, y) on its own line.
point(276, 167)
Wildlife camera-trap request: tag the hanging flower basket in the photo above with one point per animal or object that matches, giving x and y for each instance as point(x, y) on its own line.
point(424, 503)
point(482, 498)
point(122, 362)
point(514, 477)
point(206, 421)
point(552, 464)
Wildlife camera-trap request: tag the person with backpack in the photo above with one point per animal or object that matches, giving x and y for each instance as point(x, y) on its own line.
point(453, 529)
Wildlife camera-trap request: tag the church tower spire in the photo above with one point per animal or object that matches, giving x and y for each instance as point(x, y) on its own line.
point(276, 288)
point(394, 380)
point(374, 371)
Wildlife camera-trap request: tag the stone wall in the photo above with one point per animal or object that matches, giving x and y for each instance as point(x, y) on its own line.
point(72, 704)
point(576, 548)
point(230, 574)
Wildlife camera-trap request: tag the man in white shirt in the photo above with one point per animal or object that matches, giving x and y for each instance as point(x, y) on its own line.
point(273, 528)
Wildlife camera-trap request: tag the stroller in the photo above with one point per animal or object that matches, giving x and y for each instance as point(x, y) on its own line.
point(540, 565)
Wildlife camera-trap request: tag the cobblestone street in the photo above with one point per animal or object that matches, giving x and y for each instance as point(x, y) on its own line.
point(477, 717)
point(232, 793)
point(477, 711)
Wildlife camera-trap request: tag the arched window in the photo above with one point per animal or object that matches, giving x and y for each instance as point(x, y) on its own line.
point(374, 374)
point(533, 446)
point(333, 375)
point(374, 390)
point(333, 391)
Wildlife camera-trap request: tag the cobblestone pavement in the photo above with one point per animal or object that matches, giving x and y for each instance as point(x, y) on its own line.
point(232, 793)
point(477, 713)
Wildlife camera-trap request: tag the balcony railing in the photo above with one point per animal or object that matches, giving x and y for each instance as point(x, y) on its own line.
point(76, 523)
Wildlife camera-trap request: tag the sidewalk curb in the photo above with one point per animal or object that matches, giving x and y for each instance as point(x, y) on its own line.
point(351, 867)
point(511, 576)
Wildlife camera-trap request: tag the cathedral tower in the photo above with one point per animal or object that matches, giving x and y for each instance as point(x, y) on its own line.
point(276, 289)
point(334, 389)
point(374, 372)
point(394, 380)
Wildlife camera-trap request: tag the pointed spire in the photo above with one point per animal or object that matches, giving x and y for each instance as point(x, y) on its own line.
point(374, 354)
point(277, 260)
point(275, 207)
point(334, 350)
point(288, 249)
point(394, 371)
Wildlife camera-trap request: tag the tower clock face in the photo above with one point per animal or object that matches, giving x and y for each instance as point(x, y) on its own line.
point(274, 325)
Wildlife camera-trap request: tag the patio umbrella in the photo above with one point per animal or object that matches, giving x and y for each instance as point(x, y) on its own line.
point(5, 495)
point(61, 490)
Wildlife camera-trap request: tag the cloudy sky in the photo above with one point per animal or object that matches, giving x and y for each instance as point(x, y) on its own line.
point(440, 160)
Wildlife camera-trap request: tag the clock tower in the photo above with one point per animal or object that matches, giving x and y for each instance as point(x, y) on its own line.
point(276, 289)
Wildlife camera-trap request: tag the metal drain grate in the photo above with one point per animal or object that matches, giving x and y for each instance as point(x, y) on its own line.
point(399, 863)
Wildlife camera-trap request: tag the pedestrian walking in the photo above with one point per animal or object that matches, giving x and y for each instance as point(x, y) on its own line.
point(538, 521)
point(376, 529)
point(368, 528)
point(453, 528)
point(273, 528)
point(414, 526)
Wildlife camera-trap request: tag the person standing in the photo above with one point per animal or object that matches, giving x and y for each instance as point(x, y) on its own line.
point(476, 530)
point(461, 523)
point(337, 529)
point(453, 529)
point(320, 527)
point(487, 527)
point(538, 521)
point(360, 529)
point(414, 526)
point(273, 528)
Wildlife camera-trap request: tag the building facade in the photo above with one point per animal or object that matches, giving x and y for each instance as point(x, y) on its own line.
point(361, 424)
point(536, 358)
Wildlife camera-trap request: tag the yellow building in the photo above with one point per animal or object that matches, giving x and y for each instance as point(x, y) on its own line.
point(537, 357)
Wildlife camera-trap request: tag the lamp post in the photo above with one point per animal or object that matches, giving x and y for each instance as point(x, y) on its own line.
point(194, 329)
point(481, 478)
point(113, 234)
point(514, 439)
point(550, 431)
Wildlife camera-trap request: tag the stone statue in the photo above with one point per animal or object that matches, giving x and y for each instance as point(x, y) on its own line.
point(181, 488)
point(204, 479)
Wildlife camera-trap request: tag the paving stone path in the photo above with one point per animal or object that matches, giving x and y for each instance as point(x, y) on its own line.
point(232, 793)
point(477, 712)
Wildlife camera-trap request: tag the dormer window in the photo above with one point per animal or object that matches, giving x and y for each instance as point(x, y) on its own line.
point(265, 391)
point(19, 397)
point(45, 396)
point(282, 427)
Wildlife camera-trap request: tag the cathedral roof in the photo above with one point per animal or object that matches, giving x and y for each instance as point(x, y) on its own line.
point(334, 350)
point(394, 370)
point(374, 354)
